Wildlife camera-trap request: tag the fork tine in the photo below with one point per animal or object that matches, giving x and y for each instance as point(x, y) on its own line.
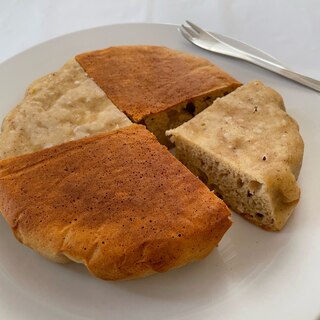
point(203, 33)
point(185, 33)
point(190, 31)
point(195, 27)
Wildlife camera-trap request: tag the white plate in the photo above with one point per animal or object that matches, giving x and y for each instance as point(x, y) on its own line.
point(253, 274)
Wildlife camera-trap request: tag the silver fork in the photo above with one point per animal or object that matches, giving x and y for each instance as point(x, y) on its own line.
point(211, 42)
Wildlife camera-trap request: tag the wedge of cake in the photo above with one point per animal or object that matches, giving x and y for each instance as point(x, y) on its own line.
point(249, 151)
point(156, 86)
point(117, 202)
point(62, 106)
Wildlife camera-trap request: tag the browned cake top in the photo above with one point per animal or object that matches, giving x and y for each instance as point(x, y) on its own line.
point(118, 202)
point(143, 80)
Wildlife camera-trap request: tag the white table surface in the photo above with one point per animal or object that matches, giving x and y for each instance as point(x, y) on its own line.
point(287, 29)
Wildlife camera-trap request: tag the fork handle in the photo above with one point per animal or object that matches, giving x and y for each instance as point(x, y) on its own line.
point(283, 71)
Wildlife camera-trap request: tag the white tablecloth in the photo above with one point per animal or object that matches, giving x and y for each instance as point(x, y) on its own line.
point(289, 30)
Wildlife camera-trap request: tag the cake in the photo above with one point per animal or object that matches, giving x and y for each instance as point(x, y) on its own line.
point(249, 151)
point(118, 202)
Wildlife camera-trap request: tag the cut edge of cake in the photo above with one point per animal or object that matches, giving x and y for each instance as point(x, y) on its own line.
point(159, 123)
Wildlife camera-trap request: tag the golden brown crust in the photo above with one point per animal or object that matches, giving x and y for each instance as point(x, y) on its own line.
point(144, 80)
point(118, 202)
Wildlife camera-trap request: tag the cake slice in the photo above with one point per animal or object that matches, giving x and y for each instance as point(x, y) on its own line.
point(118, 202)
point(249, 151)
point(59, 107)
point(156, 86)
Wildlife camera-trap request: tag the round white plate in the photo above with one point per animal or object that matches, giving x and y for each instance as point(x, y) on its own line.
point(253, 274)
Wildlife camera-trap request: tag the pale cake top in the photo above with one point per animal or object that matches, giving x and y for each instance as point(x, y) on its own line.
point(250, 129)
point(62, 106)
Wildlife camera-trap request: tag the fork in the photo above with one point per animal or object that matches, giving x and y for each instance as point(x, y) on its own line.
point(211, 42)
